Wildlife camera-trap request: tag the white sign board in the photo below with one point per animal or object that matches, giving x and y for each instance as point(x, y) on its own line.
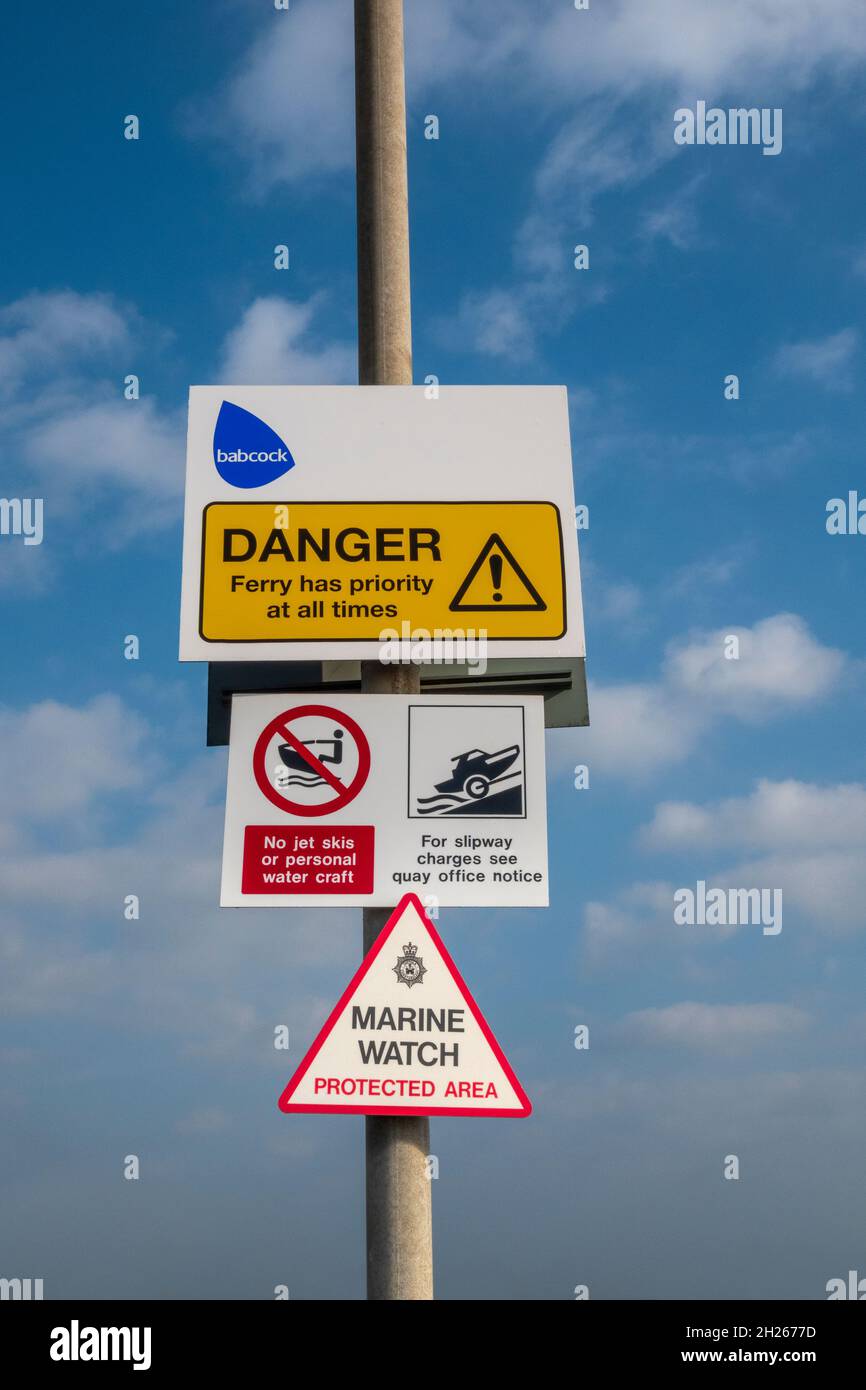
point(406, 1038)
point(357, 799)
point(325, 523)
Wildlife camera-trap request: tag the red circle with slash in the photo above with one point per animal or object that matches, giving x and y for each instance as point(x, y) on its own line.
point(280, 726)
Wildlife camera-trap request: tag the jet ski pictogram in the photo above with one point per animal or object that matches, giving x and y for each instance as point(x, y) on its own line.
point(303, 773)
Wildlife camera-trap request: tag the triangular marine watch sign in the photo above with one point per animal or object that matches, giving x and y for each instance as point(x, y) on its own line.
point(497, 583)
point(406, 1038)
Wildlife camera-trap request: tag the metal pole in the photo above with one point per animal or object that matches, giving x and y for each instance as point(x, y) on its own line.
point(399, 1220)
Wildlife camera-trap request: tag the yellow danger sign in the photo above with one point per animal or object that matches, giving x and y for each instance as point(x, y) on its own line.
point(352, 571)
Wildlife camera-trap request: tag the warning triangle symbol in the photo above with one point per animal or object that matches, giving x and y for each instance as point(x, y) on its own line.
point(406, 1038)
point(496, 583)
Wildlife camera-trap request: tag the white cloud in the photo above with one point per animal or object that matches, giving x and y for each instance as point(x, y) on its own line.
point(78, 441)
point(780, 665)
point(497, 322)
point(639, 727)
point(759, 457)
point(675, 220)
point(55, 759)
point(633, 608)
point(593, 154)
point(447, 41)
point(289, 106)
point(822, 895)
point(588, 157)
point(612, 601)
point(700, 46)
point(636, 924)
point(59, 975)
point(807, 840)
point(29, 570)
point(619, 603)
point(637, 920)
point(826, 888)
point(790, 815)
point(711, 573)
point(288, 109)
point(270, 346)
point(507, 322)
point(82, 446)
point(826, 361)
point(589, 67)
point(185, 968)
point(129, 445)
point(635, 729)
point(718, 1028)
point(784, 1106)
point(40, 333)
point(625, 71)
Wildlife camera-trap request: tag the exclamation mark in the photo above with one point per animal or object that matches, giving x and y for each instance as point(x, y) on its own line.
point(496, 576)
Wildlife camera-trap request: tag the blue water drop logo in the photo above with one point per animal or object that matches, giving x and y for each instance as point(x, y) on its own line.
point(246, 451)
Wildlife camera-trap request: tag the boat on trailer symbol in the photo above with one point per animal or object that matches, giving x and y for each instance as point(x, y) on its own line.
point(473, 772)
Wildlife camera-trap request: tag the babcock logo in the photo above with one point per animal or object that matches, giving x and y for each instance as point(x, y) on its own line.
point(246, 451)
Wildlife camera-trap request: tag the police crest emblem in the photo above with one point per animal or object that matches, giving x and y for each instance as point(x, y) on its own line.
point(410, 969)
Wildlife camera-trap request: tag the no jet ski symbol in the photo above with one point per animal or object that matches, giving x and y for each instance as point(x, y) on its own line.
point(311, 760)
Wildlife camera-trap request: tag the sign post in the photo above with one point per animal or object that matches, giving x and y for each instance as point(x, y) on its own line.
point(348, 529)
point(399, 1211)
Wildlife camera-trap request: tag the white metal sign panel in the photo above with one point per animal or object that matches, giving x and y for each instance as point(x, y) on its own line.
point(326, 522)
point(355, 799)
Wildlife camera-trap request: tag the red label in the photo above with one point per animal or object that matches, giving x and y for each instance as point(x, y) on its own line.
point(308, 859)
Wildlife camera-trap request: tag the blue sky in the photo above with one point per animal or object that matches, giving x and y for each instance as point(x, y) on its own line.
point(707, 518)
